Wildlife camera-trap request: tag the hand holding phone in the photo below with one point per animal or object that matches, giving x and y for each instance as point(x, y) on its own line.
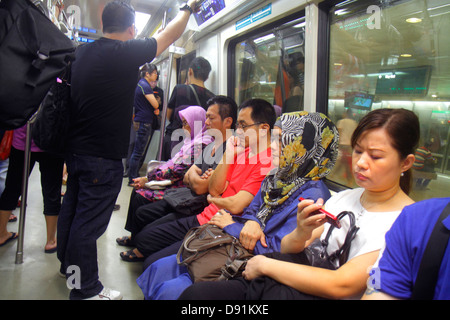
point(328, 216)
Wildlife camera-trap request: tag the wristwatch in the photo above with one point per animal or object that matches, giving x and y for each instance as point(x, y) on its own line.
point(185, 7)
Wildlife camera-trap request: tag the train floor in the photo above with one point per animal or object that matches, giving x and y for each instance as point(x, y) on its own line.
point(37, 278)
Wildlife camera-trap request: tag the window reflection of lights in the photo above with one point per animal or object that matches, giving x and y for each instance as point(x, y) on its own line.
point(438, 7)
point(265, 38)
point(413, 20)
point(340, 12)
point(300, 25)
point(406, 55)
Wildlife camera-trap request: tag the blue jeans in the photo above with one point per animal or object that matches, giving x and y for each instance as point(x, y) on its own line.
point(143, 136)
point(93, 185)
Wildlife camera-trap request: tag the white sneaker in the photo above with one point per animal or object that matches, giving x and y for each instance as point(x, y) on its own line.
point(107, 294)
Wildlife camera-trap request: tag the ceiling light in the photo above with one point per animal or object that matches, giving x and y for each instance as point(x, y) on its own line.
point(413, 20)
point(406, 55)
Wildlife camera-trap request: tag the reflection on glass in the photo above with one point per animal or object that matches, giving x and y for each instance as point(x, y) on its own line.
point(394, 54)
point(270, 66)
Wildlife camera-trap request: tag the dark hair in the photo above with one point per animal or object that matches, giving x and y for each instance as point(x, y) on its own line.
point(262, 111)
point(201, 68)
point(148, 67)
point(402, 127)
point(117, 16)
point(227, 107)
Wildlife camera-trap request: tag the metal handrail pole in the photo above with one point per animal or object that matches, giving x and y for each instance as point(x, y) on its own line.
point(23, 204)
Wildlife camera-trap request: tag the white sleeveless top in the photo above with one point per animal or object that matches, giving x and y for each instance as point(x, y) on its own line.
point(373, 225)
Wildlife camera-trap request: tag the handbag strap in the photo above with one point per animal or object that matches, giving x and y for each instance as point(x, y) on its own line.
point(195, 94)
point(425, 284)
point(343, 251)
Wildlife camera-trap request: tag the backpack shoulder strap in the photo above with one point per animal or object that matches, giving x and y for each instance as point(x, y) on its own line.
point(196, 96)
point(426, 279)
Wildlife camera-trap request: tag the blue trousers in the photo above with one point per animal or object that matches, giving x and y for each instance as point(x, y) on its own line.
point(143, 136)
point(93, 185)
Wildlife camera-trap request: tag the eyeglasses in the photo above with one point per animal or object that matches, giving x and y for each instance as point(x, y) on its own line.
point(243, 126)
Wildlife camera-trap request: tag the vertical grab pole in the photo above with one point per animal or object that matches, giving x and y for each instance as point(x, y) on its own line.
point(166, 96)
point(23, 205)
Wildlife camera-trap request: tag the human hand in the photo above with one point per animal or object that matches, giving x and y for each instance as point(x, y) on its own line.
point(194, 4)
point(207, 174)
point(139, 183)
point(233, 148)
point(221, 219)
point(307, 222)
point(254, 267)
point(250, 234)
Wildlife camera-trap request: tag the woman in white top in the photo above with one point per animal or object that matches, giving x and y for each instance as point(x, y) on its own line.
point(383, 153)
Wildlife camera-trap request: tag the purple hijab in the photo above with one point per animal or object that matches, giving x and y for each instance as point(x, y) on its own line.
point(195, 116)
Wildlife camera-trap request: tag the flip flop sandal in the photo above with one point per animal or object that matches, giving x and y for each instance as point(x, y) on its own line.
point(130, 256)
point(125, 241)
point(12, 218)
point(13, 237)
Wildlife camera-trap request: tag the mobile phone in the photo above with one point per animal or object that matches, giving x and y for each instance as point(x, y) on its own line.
point(331, 219)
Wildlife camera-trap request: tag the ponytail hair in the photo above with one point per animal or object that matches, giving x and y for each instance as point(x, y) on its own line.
point(148, 67)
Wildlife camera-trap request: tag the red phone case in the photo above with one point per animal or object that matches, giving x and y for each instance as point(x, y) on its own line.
point(330, 218)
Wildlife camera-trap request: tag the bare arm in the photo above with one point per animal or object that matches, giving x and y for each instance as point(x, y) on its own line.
point(174, 29)
point(347, 281)
point(196, 181)
point(152, 100)
point(234, 204)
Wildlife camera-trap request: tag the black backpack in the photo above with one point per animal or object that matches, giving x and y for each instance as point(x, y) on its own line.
point(33, 52)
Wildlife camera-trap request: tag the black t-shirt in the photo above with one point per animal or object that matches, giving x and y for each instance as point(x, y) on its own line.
point(104, 78)
point(182, 95)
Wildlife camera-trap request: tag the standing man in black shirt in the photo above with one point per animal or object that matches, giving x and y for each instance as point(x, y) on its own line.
point(104, 77)
point(194, 93)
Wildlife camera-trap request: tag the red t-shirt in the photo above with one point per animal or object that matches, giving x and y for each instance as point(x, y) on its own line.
point(245, 174)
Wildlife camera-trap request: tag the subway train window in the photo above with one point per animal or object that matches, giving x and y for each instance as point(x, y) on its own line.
point(270, 65)
point(393, 54)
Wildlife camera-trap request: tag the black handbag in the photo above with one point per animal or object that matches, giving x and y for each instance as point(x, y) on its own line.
point(316, 252)
point(51, 127)
point(33, 52)
point(184, 200)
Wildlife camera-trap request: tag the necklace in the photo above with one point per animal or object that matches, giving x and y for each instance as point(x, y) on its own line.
point(361, 201)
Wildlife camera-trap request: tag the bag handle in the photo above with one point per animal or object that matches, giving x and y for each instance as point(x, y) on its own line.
point(343, 251)
point(425, 284)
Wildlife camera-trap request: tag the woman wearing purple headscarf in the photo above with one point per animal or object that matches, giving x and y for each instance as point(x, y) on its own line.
point(172, 171)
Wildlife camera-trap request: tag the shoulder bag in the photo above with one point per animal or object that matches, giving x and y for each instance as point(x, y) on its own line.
point(211, 254)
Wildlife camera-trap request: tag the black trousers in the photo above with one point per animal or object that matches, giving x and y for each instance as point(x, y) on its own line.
point(142, 212)
point(263, 288)
point(51, 168)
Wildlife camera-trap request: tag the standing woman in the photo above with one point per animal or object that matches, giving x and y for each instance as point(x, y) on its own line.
point(51, 168)
point(146, 109)
point(383, 153)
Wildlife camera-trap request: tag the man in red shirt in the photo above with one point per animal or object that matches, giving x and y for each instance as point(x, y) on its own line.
point(232, 186)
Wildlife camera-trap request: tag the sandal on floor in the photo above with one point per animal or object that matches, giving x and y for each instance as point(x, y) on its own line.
point(125, 241)
point(13, 237)
point(130, 256)
point(12, 218)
